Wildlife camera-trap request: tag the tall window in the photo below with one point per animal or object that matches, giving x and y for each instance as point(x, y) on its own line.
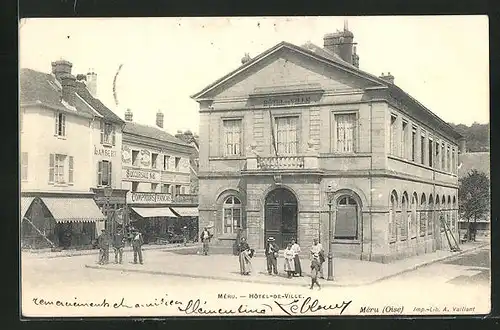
point(231, 215)
point(437, 214)
point(60, 129)
point(177, 190)
point(414, 142)
point(166, 162)
point(345, 132)
point(431, 163)
point(60, 169)
point(165, 188)
point(448, 213)
point(403, 225)
point(287, 138)
point(413, 216)
point(423, 216)
point(107, 133)
point(454, 214)
point(154, 186)
point(443, 157)
point(346, 224)
point(448, 159)
point(24, 166)
point(430, 216)
point(232, 137)
point(437, 158)
point(154, 160)
point(392, 217)
point(443, 213)
point(392, 136)
point(452, 170)
point(135, 186)
point(135, 157)
point(177, 163)
point(104, 173)
point(422, 149)
point(404, 139)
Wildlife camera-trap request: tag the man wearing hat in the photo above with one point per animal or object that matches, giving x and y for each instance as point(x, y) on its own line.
point(272, 256)
point(137, 242)
point(103, 244)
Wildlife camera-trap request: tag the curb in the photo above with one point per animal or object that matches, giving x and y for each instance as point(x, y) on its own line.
point(325, 283)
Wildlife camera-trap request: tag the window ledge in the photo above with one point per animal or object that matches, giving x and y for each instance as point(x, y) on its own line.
point(61, 137)
point(227, 158)
point(227, 237)
point(346, 241)
point(107, 145)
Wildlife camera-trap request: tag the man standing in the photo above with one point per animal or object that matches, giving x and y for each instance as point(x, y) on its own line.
point(272, 256)
point(318, 253)
point(103, 243)
point(137, 242)
point(118, 244)
point(205, 239)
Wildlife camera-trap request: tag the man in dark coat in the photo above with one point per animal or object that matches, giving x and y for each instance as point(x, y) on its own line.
point(137, 242)
point(118, 245)
point(205, 239)
point(272, 256)
point(103, 242)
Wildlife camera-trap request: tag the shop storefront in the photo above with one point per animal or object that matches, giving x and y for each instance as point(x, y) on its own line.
point(112, 207)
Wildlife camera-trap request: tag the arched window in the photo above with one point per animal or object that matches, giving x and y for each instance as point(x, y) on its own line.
point(423, 215)
point(413, 216)
point(393, 205)
point(437, 213)
point(442, 213)
point(403, 224)
point(454, 214)
point(346, 222)
point(448, 214)
point(231, 215)
point(430, 216)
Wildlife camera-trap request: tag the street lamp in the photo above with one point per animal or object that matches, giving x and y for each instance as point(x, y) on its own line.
point(329, 196)
point(108, 191)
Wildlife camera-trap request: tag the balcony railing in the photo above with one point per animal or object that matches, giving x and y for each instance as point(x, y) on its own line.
point(280, 163)
point(185, 199)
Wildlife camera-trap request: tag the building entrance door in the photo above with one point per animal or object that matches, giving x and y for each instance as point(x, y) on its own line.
point(280, 216)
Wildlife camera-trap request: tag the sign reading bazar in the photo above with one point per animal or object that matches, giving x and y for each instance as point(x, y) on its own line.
point(148, 198)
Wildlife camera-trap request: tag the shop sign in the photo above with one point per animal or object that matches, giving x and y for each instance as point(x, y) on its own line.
point(141, 175)
point(148, 198)
point(104, 152)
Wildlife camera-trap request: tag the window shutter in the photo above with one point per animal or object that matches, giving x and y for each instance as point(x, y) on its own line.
point(110, 176)
point(70, 169)
point(102, 131)
point(113, 134)
point(51, 168)
point(99, 173)
point(56, 120)
point(63, 125)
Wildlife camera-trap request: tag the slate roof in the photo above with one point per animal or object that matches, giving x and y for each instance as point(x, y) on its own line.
point(151, 132)
point(324, 54)
point(42, 87)
point(474, 160)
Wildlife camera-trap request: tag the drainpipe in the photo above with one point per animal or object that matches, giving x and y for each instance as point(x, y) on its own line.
point(371, 187)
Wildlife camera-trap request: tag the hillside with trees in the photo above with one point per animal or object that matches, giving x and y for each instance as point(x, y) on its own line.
point(477, 136)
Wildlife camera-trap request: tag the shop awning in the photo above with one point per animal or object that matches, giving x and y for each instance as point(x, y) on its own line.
point(68, 209)
point(25, 205)
point(152, 212)
point(186, 211)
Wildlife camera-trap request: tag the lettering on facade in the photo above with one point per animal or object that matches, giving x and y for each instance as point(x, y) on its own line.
point(126, 155)
point(148, 198)
point(104, 152)
point(139, 174)
point(279, 102)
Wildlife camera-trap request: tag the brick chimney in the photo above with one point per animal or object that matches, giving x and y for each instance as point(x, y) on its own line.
point(341, 43)
point(129, 115)
point(92, 82)
point(389, 77)
point(62, 71)
point(159, 119)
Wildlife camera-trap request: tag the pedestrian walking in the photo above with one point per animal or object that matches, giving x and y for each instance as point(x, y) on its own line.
point(118, 245)
point(103, 243)
point(205, 238)
point(315, 268)
point(245, 256)
point(137, 242)
point(296, 258)
point(272, 256)
point(289, 260)
point(317, 251)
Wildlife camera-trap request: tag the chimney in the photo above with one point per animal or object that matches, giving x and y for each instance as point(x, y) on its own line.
point(129, 115)
point(92, 82)
point(341, 43)
point(68, 83)
point(389, 77)
point(245, 58)
point(61, 67)
point(159, 119)
point(355, 58)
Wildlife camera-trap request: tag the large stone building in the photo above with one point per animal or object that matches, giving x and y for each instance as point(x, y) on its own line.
point(296, 127)
point(69, 142)
point(156, 172)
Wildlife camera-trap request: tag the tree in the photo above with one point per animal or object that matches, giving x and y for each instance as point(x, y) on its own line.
point(474, 197)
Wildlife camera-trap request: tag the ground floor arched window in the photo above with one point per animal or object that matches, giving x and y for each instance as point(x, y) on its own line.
point(346, 221)
point(393, 205)
point(423, 216)
point(430, 216)
point(413, 216)
point(231, 215)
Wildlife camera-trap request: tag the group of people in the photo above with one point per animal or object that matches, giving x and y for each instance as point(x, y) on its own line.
point(118, 241)
point(292, 264)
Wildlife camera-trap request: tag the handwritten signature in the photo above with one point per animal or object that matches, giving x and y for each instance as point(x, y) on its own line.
point(308, 305)
point(197, 307)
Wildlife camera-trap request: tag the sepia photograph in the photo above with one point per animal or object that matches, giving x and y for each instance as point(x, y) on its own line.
point(254, 166)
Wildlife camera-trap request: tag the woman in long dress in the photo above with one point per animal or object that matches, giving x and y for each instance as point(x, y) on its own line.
point(289, 260)
point(245, 257)
point(296, 251)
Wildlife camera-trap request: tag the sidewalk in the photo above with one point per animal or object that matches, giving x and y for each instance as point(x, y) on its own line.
point(47, 253)
point(347, 272)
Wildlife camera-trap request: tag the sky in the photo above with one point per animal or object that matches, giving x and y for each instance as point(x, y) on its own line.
point(442, 61)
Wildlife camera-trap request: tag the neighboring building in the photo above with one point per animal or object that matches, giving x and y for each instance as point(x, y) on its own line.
point(194, 159)
point(479, 161)
point(295, 123)
point(156, 171)
point(59, 131)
